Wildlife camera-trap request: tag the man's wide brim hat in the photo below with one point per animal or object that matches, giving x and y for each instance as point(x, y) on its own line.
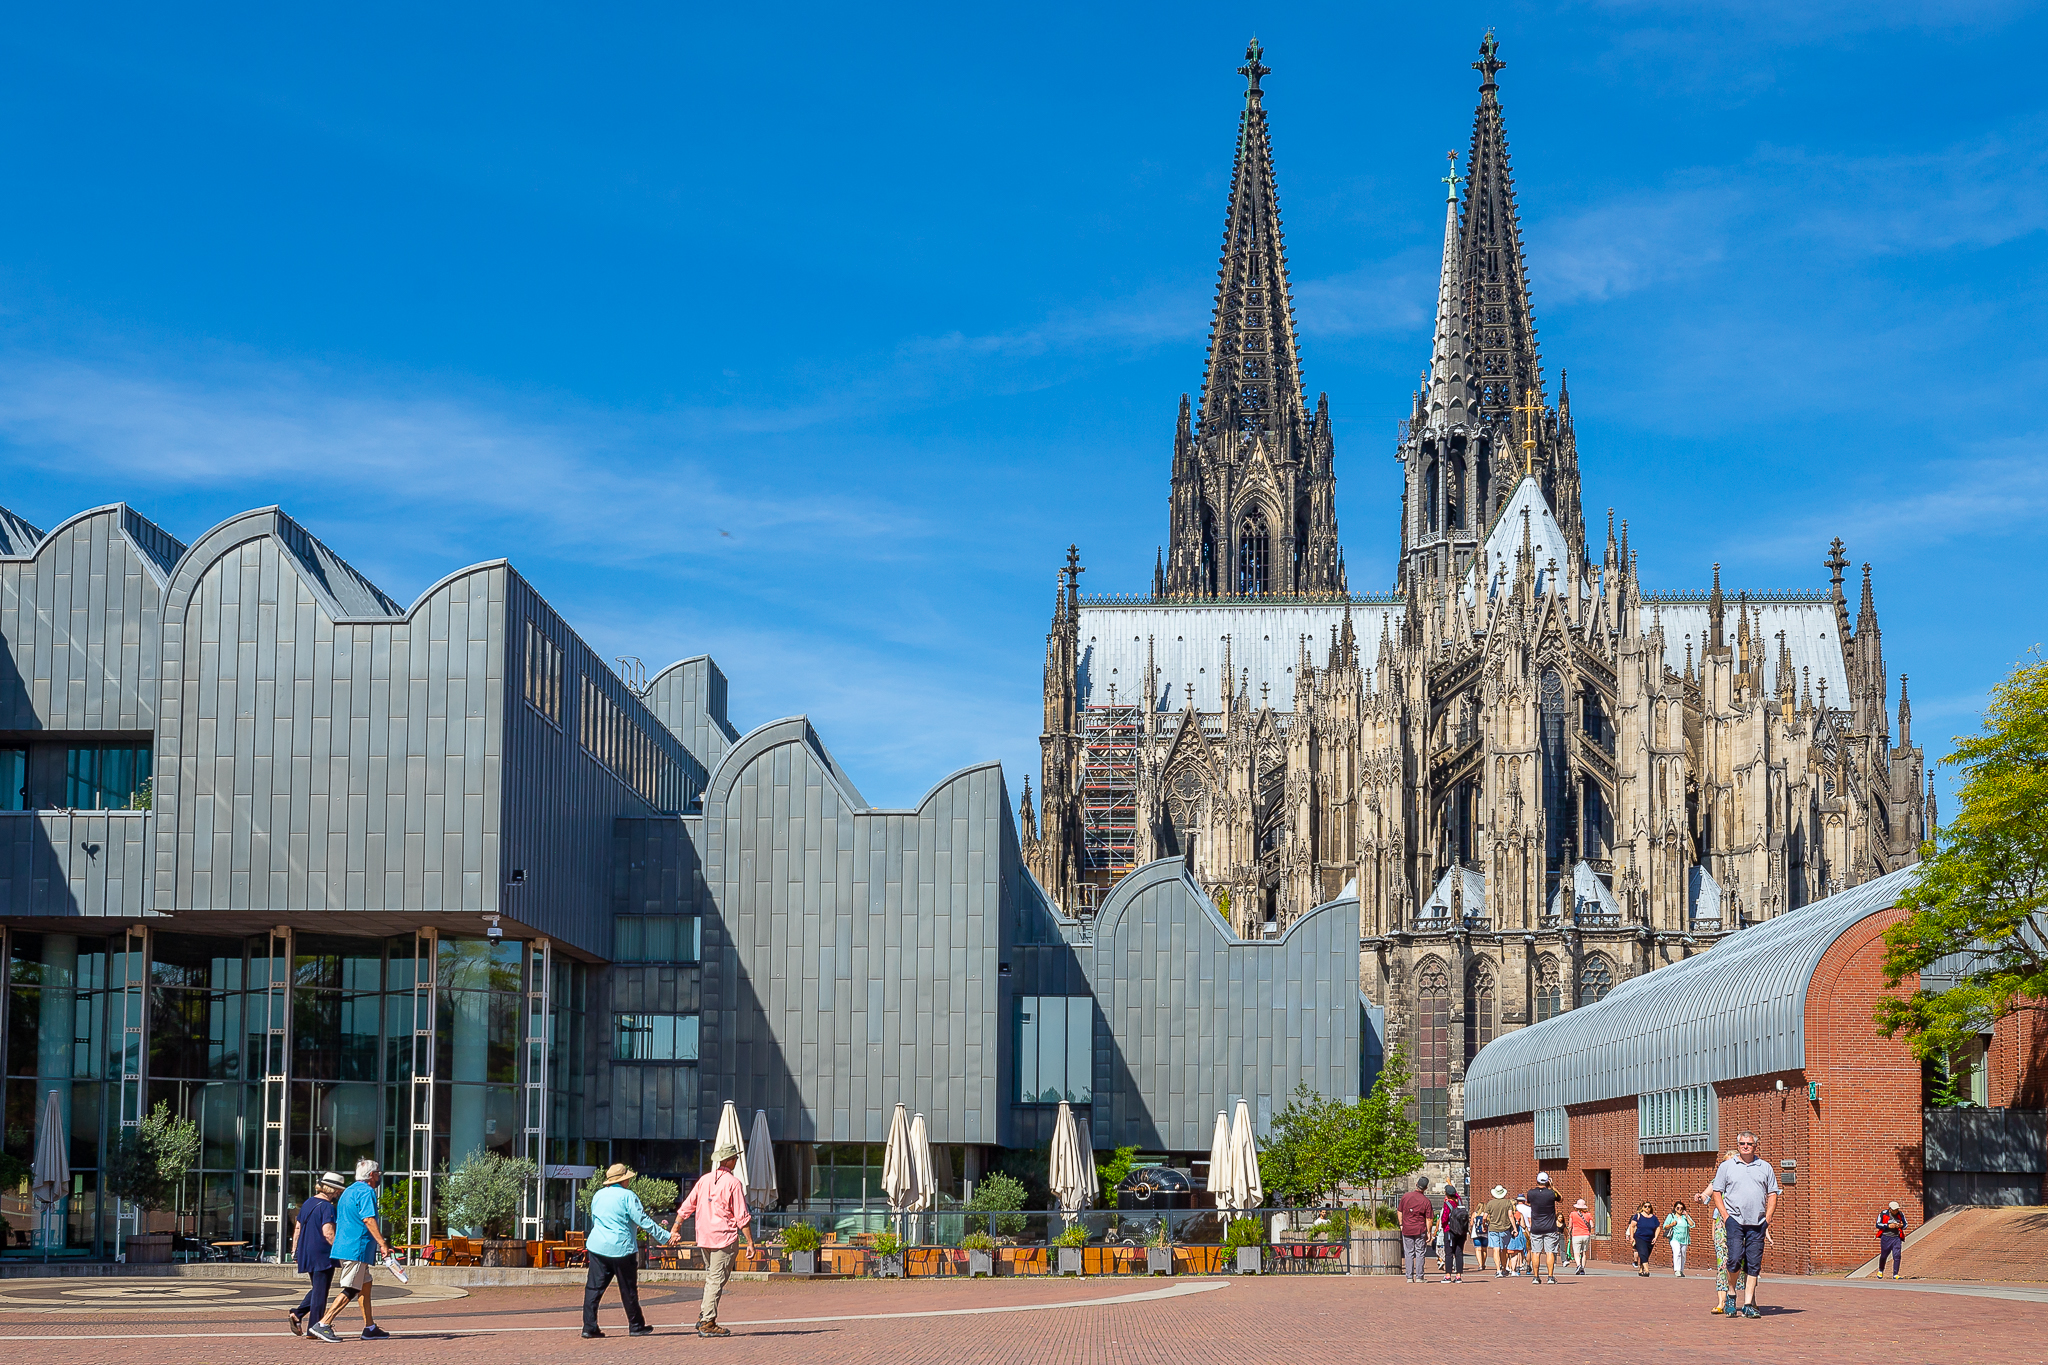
point(725, 1153)
point(1581, 1204)
point(619, 1171)
point(1500, 1191)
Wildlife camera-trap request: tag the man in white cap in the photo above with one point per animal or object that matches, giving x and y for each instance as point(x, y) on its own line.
point(718, 1201)
point(1543, 1234)
point(612, 1249)
point(1891, 1239)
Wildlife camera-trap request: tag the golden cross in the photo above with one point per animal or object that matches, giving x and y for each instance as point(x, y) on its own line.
point(1529, 412)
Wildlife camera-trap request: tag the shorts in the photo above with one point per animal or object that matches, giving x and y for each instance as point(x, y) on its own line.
point(1746, 1247)
point(1543, 1243)
point(1499, 1239)
point(353, 1274)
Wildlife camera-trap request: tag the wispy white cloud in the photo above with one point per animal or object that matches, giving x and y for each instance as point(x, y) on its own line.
point(1397, 294)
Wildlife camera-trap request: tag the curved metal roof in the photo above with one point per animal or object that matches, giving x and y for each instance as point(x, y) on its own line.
point(1737, 1010)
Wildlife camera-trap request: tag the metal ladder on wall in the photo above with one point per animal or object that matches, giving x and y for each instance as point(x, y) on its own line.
point(539, 984)
point(419, 1190)
point(273, 1151)
point(134, 1044)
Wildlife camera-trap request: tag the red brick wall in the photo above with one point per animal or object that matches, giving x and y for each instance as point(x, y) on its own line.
point(1867, 1125)
point(2019, 1061)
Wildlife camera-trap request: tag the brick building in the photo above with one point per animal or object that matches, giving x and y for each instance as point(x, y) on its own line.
point(1639, 1096)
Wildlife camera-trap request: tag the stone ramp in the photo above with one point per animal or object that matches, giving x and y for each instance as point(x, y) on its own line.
point(2000, 1245)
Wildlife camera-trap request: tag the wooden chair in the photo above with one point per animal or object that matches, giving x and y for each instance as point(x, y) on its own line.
point(463, 1251)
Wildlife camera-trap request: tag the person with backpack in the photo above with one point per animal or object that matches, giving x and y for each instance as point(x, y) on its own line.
point(1457, 1225)
point(1891, 1239)
point(1482, 1242)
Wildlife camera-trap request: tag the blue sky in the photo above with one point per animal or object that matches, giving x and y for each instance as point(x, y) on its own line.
point(810, 337)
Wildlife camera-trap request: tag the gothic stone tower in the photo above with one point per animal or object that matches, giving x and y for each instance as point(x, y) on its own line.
point(1534, 778)
point(1253, 509)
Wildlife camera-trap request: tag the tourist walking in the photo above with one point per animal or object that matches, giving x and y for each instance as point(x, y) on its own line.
point(1581, 1225)
point(1456, 1222)
point(718, 1201)
point(1518, 1246)
point(358, 1242)
point(1479, 1235)
point(1721, 1271)
point(1678, 1232)
point(1543, 1233)
point(1643, 1226)
point(1891, 1239)
point(1500, 1229)
point(1417, 1213)
point(1745, 1195)
point(612, 1249)
point(313, 1249)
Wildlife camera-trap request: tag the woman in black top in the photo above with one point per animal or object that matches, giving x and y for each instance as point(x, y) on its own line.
point(1644, 1226)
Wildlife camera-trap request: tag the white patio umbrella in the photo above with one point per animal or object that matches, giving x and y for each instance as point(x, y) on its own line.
point(899, 1168)
point(1246, 1190)
point(50, 1180)
point(1093, 1177)
point(1071, 1171)
point(729, 1135)
point(1219, 1162)
point(760, 1175)
point(921, 1158)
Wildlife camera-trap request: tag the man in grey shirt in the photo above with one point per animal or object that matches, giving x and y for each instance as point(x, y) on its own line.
point(1745, 1193)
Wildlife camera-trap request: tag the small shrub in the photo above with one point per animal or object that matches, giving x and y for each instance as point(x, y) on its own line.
point(801, 1237)
point(1074, 1237)
point(485, 1192)
point(977, 1241)
point(999, 1194)
point(888, 1244)
point(1243, 1232)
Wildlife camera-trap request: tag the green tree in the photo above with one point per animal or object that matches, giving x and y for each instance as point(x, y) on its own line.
point(1317, 1146)
point(1982, 887)
point(485, 1192)
point(1388, 1146)
point(996, 1194)
point(1113, 1171)
point(146, 1164)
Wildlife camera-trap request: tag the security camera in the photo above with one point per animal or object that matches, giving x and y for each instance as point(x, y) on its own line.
point(1781, 1085)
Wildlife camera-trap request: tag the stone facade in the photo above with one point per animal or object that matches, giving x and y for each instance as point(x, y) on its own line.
point(1538, 778)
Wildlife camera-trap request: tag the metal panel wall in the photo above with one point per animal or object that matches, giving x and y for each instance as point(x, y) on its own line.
point(851, 954)
point(1189, 1016)
point(78, 625)
point(55, 862)
point(312, 762)
point(689, 698)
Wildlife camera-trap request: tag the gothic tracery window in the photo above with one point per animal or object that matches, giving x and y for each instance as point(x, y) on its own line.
point(1433, 1052)
point(1254, 557)
point(1429, 500)
point(1549, 988)
point(1596, 978)
point(1478, 1010)
point(1556, 774)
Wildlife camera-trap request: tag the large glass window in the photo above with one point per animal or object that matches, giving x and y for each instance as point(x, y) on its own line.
point(1676, 1120)
point(1055, 1049)
point(13, 779)
point(1596, 978)
point(104, 778)
point(657, 938)
point(56, 1046)
point(1549, 989)
point(1478, 1011)
point(1433, 1053)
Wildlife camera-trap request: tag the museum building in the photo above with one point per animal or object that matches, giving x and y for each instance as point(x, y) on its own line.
point(335, 877)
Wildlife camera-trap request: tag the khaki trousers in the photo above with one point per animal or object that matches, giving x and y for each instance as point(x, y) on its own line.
point(718, 1269)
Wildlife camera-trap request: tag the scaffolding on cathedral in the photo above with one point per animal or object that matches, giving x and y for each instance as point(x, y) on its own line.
point(1109, 798)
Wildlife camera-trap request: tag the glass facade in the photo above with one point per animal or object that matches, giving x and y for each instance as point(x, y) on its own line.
point(348, 1086)
point(104, 778)
point(1055, 1049)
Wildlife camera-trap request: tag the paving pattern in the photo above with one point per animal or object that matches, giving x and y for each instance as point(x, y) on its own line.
point(1286, 1319)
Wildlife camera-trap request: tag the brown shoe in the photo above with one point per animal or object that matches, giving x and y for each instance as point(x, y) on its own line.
point(710, 1328)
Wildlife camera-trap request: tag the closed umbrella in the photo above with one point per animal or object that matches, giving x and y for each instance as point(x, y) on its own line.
point(729, 1135)
point(899, 1168)
point(1091, 1178)
point(51, 1177)
point(1219, 1162)
point(760, 1175)
point(921, 1159)
point(1246, 1190)
point(1070, 1169)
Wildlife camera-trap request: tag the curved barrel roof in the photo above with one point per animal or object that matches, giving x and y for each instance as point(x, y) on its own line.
point(1737, 1010)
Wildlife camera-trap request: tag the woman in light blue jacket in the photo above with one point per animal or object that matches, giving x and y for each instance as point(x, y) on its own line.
point(613, 1246)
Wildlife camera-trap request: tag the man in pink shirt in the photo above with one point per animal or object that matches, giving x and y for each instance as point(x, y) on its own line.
point(718, 1201)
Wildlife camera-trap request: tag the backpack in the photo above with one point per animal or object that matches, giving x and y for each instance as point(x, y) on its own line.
point(1459, 1222)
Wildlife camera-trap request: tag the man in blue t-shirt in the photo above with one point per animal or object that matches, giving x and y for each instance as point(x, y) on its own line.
point(313, 1249)
point(358, 1242)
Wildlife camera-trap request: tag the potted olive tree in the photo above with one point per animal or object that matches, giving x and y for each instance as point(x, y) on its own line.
point(1069, 1242)
point(484, 1193)
point(801, 1241)
point(1247, 1239)
point(981, 1254)
point(888, 1255)
point(145, 1165)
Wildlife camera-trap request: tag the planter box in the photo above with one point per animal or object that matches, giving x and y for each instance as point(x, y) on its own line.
point(889, 1267)
point(981, 1263)
point(1250, 1260)
point(803, 1262)
point(1159, 1260)
point(504, 1251)
point(1070, 1260)
point(149, 1248)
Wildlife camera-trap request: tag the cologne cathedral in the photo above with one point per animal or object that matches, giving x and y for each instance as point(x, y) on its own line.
point(1536, 777)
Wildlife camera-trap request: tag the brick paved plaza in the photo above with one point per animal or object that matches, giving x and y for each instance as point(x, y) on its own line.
point(1603, 1317)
